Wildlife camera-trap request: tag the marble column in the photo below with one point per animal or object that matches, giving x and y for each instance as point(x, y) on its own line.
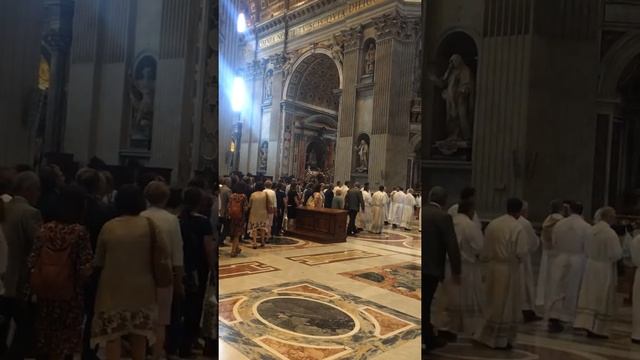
point(346, 122)
point(276, 127)
point(395, 55)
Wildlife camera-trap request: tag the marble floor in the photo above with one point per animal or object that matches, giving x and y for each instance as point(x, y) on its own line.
point(300, 300)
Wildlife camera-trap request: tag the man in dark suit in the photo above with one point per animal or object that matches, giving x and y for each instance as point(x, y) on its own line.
point(353, 202)
point(438, 242)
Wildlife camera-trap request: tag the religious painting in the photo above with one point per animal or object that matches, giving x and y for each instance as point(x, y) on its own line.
point(362, 154)
point(268, 84)
point(263, 153)
point(142, 86)
point(315, 155)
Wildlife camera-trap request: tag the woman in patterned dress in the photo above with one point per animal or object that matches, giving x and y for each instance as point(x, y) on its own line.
point(59, 323)
point(258, 215)
point(237, 207)
point(126, 303)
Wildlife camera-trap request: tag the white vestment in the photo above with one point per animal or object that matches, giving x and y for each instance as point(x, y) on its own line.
point(597, 300)
point(547, 257)
point(528, 284)
point(379, 202)
point(634, 248)
point(408, 210)
point(419, 205)
point(271, 199)
point(397, 207)
point(363, 219)
point(505, 245)
point(465, 301)
point(567, 267)
point(387, 210)
point(453, 211)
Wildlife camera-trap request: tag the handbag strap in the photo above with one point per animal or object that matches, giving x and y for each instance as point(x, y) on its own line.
point(153, 237)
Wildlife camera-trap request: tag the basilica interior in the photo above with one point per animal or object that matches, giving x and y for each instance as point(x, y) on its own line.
point(534, 99)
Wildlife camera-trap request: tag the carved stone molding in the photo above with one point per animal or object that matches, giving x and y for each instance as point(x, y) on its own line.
point(394, 26)
point(277, 60)
point(351, 38)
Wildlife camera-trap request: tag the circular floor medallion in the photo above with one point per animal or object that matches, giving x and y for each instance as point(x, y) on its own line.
point(305, 317)
point(284, 241)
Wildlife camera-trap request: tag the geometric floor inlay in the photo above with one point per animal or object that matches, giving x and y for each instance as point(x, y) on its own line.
point(404, 278)
point(306, 320)
point(331, 257)
point(244, 268)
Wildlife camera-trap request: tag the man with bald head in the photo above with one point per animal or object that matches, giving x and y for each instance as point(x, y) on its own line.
point(597, 299)
point(439, 242)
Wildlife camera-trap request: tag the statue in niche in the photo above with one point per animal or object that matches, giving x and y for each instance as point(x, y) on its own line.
point(370, 60)
point(268, 83)
point(262, 156)
point(141, 95)
point(363, 156)
point(458, 94)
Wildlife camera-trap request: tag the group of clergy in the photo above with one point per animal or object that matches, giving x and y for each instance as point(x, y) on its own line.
point(492, 287)
point(381, 208)
point(401, 210)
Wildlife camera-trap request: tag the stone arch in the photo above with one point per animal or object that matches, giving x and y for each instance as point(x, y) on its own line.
point(615, 62)
point(302, 65)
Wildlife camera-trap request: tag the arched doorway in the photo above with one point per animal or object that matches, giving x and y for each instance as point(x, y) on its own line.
point(616, 178)
point(311, 110)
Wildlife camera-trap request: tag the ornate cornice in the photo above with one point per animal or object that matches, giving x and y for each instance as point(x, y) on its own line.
point(393, 25)
point(351, 38)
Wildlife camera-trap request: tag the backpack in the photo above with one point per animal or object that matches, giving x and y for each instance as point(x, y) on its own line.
point(236, 206)
point(53, 277)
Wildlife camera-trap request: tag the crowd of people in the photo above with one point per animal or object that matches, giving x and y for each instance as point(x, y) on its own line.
point(259, 209)
point(89, 269)
point(479, 283)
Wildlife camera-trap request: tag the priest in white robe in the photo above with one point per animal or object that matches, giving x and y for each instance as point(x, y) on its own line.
point(419, 205)
point(547, 253)
point(505, 245)
point(387, 210)
point(526, 269)
point(379, 202)
point(466, 300)
point(397, 208)
point(567, 267)
point(634, 249)
point(597, 300)
point(408, 210)
point(363, 219)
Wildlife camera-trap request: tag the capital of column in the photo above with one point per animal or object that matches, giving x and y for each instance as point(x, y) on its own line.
point(393, 25)
point(350, 38)
point(277, 60)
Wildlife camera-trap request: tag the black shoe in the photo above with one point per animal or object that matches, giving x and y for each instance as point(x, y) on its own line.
point(555, 326)
point(635, 341)
point(530, 316)
point(593, 335)
point(436, 343)
point(448, 335)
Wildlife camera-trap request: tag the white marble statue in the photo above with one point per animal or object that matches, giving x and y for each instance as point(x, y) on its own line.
point(363, 156)
point(370, 60)
point(458, 94)
point(141, 94)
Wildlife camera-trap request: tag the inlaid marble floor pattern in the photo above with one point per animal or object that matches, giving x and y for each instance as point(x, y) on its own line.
point(298, 301)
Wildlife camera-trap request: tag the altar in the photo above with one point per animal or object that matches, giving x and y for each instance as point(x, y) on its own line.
point(320, 225)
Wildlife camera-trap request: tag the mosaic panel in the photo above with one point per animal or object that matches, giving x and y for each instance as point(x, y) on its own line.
point(331, 257)
point(404, 278)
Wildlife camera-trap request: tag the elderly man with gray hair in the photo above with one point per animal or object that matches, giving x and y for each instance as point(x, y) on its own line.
point(439, 242)
point(22, 222)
